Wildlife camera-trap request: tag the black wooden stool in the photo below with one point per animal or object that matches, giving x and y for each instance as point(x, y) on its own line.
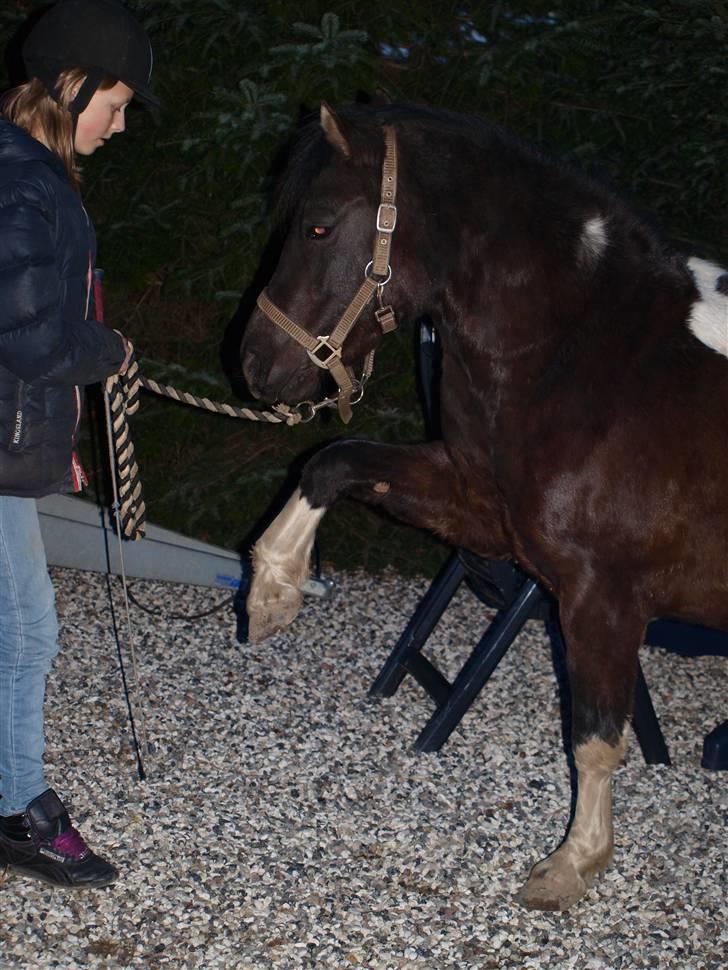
point(517, 598)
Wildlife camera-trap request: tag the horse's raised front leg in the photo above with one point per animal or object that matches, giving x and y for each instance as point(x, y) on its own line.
point(280, 567)
point(601, 651)
point(415, 483)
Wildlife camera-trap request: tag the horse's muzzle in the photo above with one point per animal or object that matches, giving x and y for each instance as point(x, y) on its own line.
point(277, 380)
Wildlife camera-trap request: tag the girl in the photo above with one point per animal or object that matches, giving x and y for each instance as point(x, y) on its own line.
point(85, 60)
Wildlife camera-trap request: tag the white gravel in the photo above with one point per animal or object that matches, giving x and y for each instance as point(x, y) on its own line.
point(287, 823)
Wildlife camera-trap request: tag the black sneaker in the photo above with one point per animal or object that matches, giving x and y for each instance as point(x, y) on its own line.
point(43, 844)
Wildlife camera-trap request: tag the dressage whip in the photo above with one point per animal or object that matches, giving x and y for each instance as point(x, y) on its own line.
point(121, 398)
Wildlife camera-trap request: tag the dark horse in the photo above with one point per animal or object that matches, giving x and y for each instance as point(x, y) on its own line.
point(584, 399)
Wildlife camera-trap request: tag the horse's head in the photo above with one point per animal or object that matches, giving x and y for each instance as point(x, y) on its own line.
point(323, 312)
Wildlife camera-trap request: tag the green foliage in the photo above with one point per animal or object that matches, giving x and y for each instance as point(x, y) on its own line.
point(182, 201)
point(232, 96)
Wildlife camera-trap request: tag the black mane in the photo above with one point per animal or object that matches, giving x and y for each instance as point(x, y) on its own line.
point(309, 152)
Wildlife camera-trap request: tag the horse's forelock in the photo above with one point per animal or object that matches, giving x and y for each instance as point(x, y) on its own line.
point(306, 156)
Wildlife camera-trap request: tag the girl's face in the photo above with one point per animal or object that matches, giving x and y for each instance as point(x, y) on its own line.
point(103, 117)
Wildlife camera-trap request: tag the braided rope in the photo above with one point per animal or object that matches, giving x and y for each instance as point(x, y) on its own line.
point(124, 392)
point(282, 415)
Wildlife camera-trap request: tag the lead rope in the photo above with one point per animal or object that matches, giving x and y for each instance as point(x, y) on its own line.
point(121, 399)
point(121, 394)
point(281, 413)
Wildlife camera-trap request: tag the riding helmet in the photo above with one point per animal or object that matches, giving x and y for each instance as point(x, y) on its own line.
point(98, 36)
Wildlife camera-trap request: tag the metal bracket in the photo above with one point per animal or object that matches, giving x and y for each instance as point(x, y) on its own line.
point(321, 588)
point(324, 362)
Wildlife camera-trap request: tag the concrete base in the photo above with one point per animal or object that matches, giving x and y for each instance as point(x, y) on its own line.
point(81, 535)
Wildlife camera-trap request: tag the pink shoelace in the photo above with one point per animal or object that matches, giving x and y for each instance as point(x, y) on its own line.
point(70, 843)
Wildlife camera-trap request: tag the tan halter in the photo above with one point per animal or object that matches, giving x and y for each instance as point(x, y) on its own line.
point(325, 351)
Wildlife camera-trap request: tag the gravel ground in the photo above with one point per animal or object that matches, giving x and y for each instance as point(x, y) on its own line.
point(286, 822)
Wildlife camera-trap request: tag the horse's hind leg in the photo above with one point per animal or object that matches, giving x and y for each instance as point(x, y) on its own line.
point(415, 483)
point(601, 650)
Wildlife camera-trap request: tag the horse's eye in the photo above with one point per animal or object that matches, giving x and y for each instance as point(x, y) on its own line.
point(317, 232)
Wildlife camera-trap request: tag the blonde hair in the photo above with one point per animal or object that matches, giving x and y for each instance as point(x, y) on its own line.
point(30, 106)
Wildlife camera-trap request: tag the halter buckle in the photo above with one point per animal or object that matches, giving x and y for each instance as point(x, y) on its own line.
point(386, 217)
point(386, 319)
point(322, 343)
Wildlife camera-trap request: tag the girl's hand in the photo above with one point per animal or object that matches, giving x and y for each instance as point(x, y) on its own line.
point(128, 355)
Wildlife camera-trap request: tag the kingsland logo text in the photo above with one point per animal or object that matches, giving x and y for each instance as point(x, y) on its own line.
point(18, 427)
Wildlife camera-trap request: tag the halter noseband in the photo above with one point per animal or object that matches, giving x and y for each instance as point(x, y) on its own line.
point(325, 350)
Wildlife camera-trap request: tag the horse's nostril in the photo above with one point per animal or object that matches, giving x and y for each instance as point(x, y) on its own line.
point(251, 372)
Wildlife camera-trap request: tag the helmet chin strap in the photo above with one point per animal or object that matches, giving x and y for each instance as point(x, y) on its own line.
point(89, 87)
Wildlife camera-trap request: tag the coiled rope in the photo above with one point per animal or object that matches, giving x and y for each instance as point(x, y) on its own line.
point(123, 392)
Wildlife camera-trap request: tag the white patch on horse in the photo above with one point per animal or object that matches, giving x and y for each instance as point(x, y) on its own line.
point(280, 567)
point(593, 241)
point(708, 318)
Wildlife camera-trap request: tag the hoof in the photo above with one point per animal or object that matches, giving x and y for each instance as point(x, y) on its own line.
point(271, 606)
point(556, 884)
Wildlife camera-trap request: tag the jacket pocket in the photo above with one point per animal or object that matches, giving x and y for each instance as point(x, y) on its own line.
point(18, 425)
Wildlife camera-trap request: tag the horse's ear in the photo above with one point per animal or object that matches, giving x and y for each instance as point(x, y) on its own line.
point(334, 130)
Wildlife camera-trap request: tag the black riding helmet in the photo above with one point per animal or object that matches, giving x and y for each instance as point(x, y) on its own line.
point(97, 36)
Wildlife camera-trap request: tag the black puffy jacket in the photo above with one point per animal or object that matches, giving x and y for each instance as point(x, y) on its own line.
point(48, 347)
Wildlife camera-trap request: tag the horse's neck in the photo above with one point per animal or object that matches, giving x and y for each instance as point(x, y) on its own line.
point(498, 357)
point(486, 261)
point(529, 270)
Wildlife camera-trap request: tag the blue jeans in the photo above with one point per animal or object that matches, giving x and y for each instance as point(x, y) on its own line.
point(28, 643)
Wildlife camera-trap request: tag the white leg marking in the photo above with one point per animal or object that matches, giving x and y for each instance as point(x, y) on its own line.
point(563, 878)
point(708, 317)
point(593, 241)
point(280, 567)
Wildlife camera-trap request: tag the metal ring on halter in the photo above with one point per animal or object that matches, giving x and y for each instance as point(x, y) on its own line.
point(373, 278)
point(305, 418)
point(358, 393)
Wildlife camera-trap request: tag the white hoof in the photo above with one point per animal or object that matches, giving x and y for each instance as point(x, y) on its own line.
point(273, 604)
point(280, 568)
point(557, 883)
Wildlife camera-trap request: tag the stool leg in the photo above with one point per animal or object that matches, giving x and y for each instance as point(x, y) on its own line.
point(715, 749)
point(646, 726)
point(423, 621)
point(480, 665)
